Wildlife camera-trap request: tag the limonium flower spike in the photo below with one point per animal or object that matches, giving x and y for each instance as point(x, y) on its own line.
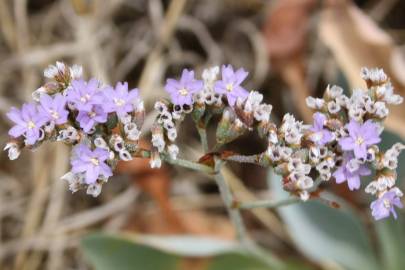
point(103, 124)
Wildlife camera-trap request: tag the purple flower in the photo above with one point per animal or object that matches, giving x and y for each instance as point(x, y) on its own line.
point(53, 108)
point(88, 119)
point(181, 92)
point(92, 163)
point(360, 137)
point(85, 94)
point(230, 84)
point(321, 135)
point(384, 206)
point(28, 123)
point(120, 100)
point(351, 173)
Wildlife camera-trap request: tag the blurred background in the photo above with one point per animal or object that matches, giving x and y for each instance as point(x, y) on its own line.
point(292, 48)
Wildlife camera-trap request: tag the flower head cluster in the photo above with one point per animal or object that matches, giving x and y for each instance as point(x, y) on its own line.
point(356, 124)
point(83, 114)
point(103, 124)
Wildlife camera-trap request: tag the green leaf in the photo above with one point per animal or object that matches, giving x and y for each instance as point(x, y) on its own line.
point(236, 261)
point(325, 234)
point(110, 252)
point(192, 246)
point(391, 237)
point(126, 252)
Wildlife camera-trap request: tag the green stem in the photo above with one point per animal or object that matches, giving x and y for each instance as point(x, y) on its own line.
point(188, 164)
point(237, 221)
point(268, 204)
point(234, 214)
point(216, 147)
point(203, 137)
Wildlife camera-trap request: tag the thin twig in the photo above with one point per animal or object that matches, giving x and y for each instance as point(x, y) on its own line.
point(189, 164)
point(268, 203)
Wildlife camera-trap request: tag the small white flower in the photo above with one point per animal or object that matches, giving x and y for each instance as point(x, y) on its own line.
point(376, 75)
point(60, 66)
point(49, 127)
point(13, 150)
point(209, 76)
point(126, 119)
point(172, 134)
point(372, 188)
point(333, 107)
point(273, 153)
point(304, 195)
point(272, 137)
point(36, 95)
point(94, 189)
point(160, 107)
point(342, 100)
point(132, 132)
point(101, 143)
point(381, 110)
point(158, 142)
point(75, 181)
point(334, 91)
point(155, 161)
point(76, 72)
point(315, 103)
point(125, 155)
point(304, 182)
point(173, 151)
point(262, 113)
point(117, 142)
point(51, 71)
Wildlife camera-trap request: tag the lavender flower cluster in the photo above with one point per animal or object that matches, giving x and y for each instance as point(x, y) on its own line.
point(84, 114)
point(103, 124)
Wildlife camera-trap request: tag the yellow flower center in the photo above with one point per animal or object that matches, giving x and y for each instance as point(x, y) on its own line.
point(95, 161)
point(183, 92)
point(91, 114)
point(54, 114)
point(229, 87)
point(359, 140)
point(31, 125)
point(119, 102)
point(387, 203)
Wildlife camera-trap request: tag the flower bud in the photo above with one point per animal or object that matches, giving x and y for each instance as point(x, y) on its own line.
point(13, 149)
